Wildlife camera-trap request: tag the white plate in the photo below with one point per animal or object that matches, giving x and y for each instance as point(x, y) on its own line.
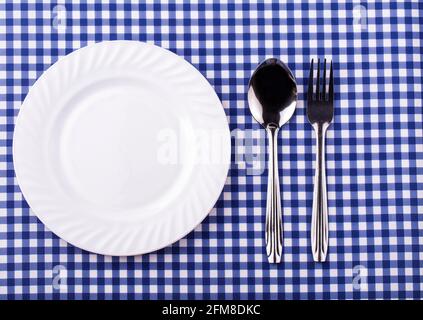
point(121, 148)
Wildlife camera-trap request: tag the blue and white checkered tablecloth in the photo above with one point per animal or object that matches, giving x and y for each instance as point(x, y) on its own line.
point(374, 152)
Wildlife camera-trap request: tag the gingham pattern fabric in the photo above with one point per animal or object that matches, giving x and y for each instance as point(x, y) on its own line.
point(374, 152)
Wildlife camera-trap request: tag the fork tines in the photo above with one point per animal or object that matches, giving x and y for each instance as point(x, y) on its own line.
point(320, 97)
point(321, 93)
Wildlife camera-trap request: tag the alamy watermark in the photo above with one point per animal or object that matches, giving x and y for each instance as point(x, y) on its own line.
point(359, 280)
point(59, 278)
point(359, 17)
point(200, 146)
point(59, 17)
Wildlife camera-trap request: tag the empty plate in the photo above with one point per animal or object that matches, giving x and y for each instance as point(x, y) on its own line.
point(121, 148)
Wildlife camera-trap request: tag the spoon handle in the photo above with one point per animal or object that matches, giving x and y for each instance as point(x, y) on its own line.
point(319, 220)
point(273, 205)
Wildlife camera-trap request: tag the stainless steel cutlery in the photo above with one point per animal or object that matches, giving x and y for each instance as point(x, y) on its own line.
point(272, 97)
point(320, 115)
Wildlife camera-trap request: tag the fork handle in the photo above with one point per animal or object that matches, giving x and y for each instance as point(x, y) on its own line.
point(319, 221)
point(273, 206)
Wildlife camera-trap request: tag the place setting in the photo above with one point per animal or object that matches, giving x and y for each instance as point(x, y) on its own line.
point(230, 154)
point(122, 148)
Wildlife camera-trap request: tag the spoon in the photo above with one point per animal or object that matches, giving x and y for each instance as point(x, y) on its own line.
point(272, 97)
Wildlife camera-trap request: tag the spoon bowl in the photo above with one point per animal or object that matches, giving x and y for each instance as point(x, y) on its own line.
point(272, 93)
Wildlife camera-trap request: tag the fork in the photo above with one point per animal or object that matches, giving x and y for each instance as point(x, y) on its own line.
point(320, 115)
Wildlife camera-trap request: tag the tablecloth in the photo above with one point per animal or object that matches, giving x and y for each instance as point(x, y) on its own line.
point(374, 151)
